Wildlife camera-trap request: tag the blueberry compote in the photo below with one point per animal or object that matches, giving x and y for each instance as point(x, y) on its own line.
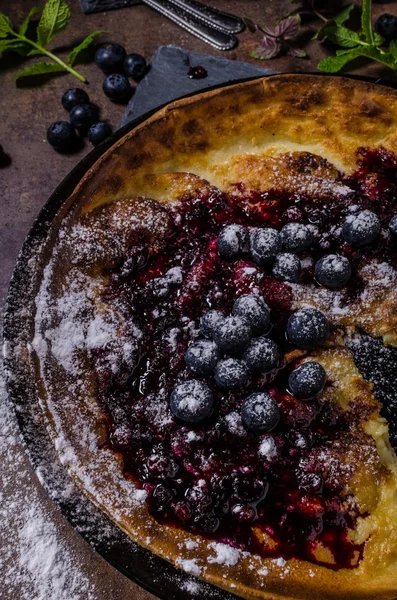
point(268, 494)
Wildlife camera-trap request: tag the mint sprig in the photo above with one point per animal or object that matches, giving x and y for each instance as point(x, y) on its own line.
point(54, 18)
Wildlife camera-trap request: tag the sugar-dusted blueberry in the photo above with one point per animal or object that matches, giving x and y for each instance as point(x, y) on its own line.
point(287, 267)
point(361, 228)
point(202, 356)
point(265, 244)
point(117, 88)
point(233, 335)
point(255, 311)
point(295, 237)
point(260, 413)
point(98, 132)
point(191, 401)
point(393, 226)
point(135, 66)
point(307, 380)
point(386, 26)
point(74, 96)
point(110, 58)
point(308, 328)
point(262, 355)
point(231, 374)
point(209, 322)
point(233, 242)
point(62, 136)
point(83, 116)
point(333, 270)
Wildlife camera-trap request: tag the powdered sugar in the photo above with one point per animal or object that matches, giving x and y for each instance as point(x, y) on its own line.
point(224, 555)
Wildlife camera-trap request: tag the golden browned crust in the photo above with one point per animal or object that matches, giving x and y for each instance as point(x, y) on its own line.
point(257, 132)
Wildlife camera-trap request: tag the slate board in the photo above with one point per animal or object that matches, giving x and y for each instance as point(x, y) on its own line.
point(92, 6)
point(167, 78)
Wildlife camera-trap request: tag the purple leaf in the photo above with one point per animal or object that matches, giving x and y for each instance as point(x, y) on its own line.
point(267, 31)
point(296, 52)
point(287, 28)
point(269, 48)
point(251, 26)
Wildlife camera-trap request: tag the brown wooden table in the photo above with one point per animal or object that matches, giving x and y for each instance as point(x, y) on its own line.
point(26, 111)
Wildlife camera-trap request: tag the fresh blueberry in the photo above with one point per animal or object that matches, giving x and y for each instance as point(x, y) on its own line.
point(110, 58)
point(260, 413)
point(333, 270)
point(98, 132)
point(62, 136)
point(361, 229)
point(254, 310)
point(83, 116)
point(393, 226)
point(233, 242)
point(209, 323)
point(135, 66)
point(74, 96)
point(307, 380)
point(202, 356)
point(232, 335)
point(287, 267)
point(386, 26)
point(231, 374)
point(262, 356)
point(191, 401)
point(265, 244)
point(308, 328)
point(117, 88)
point(295, 237)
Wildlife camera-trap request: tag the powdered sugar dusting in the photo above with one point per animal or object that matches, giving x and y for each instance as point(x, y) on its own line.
point(224, 555)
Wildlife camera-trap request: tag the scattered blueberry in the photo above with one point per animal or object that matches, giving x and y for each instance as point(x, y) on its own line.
point(360, 229)
point(62, 136)
point(83, 115)
point(307, 380)
point(233, 242)
point(117, 88)
point(295, 237)
point(209, 323)
point(231, 374)
point(110, 58)
point(74, 96)
point(265, 244)
point(260, 413)
point(232, 335)
point(333, 270)
point(202, 356)
point(197, 73)
point(191, 401)
point(393, 226)
point(386, 26)
point(98, 132)
point(254, 310)
point(287, 267)
point(262, 356)
point(308, 328)
point(135, 66)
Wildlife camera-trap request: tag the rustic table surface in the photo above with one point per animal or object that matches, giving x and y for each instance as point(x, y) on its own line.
point(26, 110)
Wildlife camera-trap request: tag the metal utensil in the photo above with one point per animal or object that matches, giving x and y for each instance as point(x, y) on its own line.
point(212, 16)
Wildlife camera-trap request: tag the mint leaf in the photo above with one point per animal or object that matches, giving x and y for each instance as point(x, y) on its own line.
point(343, 15)
point(13, 45)
point(393, 49)
point(5, 26)
point(366, 24)
point(378, 39)
point(54, 19)
point(84, 44)
point(343, 37)
point(24, 25)
point(41, 68)
point(333, 64)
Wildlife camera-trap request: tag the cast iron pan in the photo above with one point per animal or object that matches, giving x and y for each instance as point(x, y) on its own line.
point(147, 570)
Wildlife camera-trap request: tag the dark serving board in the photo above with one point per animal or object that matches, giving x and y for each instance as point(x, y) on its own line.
point(140, 565)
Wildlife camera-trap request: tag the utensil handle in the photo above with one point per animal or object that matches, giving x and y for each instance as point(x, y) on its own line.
point(219, 39)
point(212, 16)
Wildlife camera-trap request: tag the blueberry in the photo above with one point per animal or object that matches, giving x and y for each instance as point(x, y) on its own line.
point(202, 356)
point(295, 237)
point(191, 401)
point(254, 310)
point(333, 270)
point(265, 244)
point(233, 242)
point(260, 413)
point(62, 136)
point(307, 380)
point(360, 229)
point(74, 96)
point(262, 356)
point(209, 323)
point(117, 88)
point(98, 132)
point(308, 328)
point(110, 58)
point(231, 374)
point(287, 267)
point(386, 26)
point(135, 66)
point(83, 116)
point(393, 226)
point(232, 335)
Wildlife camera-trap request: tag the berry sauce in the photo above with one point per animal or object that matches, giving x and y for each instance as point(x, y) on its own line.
point(197, 72)
point(269, 494)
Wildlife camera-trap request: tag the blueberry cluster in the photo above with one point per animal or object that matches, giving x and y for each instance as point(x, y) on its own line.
point(113, 60)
